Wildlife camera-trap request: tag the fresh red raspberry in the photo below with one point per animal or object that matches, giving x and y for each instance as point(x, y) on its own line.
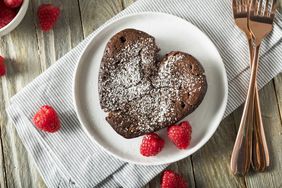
point(13, 3)
point(6, 15)
point(2, 66)
point(180, 134)
point(151, 145)
point(47, 14)
point(46, 119)
point(171, 179)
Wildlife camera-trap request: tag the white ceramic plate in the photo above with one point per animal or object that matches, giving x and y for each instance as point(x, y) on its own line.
point(171, 33)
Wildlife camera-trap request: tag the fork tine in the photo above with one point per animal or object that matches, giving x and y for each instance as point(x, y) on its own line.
point(274, 6)
point(239, 5)
point(266, 10)
point(234, 5)
point(253, 6)
point(248, 4)
point(257, 7)
point(260, 8)
point(245, 5)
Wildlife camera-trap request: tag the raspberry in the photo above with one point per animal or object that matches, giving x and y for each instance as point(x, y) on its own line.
point(151, 145)
point(180, 134)
point(2, 66)
point(47, 14)
point(6, 15)
point(46, 119)
point(171, 179)
point(13, 3)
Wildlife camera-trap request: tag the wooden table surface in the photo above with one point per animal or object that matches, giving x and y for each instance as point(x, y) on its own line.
point(30, 52)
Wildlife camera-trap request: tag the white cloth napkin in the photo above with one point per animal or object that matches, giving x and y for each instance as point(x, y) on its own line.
point(69, 158)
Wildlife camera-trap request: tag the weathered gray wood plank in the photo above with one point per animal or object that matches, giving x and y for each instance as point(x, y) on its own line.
point(2, 161)
point(126, 3)
point(96, 12)
point(21, 69)
point(278, 91)
point(31, 52)
point(183, 167)
point(211, 163)
point(66, 34)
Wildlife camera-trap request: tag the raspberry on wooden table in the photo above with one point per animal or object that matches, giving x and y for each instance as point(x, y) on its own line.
point(46, 119)
point(47, 14)
point(151, 145)
point(171, 179)
point(180, 134)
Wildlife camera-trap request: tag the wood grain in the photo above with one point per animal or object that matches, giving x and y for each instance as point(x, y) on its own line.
point(96, 12)
point(126, 3)
point(3, 182)
point(278, 91)
point(22, 68)
point(31, 52)
point(183, 167)
point(211, 163)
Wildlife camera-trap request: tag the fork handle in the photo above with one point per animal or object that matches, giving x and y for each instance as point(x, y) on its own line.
point(242, 151)
point(241, 154)
point(260, 153)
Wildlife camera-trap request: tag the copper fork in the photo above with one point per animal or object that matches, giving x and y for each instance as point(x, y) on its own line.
point(241, 156)
point(261, 16)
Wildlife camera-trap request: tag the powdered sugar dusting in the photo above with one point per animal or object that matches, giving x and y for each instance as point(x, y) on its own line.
point(160, 104)
point(125, 74)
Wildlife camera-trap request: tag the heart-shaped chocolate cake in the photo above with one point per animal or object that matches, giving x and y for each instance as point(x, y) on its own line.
point(143, 94)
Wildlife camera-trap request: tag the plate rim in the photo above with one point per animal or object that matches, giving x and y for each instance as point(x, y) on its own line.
point(222, 107)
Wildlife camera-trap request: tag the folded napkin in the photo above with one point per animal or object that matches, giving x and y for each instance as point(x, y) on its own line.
point(69, 158)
